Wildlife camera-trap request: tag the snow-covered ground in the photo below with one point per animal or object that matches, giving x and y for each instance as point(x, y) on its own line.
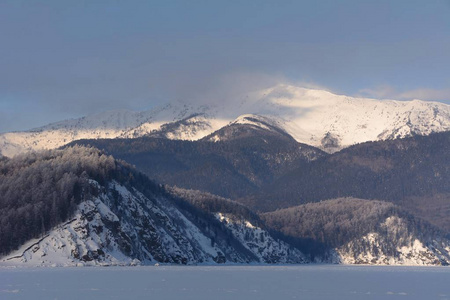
point(227, 282)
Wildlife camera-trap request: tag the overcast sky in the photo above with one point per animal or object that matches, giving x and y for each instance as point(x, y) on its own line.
point(65, 59)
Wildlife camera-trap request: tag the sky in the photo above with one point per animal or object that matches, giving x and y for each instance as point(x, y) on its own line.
point(66, 59)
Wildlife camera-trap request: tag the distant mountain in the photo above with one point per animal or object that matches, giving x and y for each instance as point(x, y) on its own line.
point(110, 124)
point(79, 206)
point(412, 172)
point(365, 232)
point(244, 158)
point(267, 170)
point(314, 117)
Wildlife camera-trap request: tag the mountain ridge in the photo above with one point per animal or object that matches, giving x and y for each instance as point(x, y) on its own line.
point(103, 212)
point(365, 231)
point(314, 117)
point(249, 158)
point(79, 206)
point(266, 170)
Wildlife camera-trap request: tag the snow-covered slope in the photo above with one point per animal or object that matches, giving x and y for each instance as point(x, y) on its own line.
point(334, 121)
point(123, 227)
point(138, 231)
point(373, 248)
point(260, 242)
point(315, 117)
point(109, 124)
point(248, 125)
point(357, 231)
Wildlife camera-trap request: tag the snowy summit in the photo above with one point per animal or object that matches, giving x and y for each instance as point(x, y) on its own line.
point(314, 117)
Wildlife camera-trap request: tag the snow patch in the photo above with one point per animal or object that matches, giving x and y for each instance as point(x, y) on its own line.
point(260, 242)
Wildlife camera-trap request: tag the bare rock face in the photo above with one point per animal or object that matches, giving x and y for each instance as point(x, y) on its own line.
point(330, 142)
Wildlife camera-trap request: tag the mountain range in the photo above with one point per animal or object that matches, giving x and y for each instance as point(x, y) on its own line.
point(80, 206)
point(314, 117)
point(283, 175)
point(267, 172)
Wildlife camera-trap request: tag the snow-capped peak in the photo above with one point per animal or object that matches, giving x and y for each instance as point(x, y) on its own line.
point(315, 117)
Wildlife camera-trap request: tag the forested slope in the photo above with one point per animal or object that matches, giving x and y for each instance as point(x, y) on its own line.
point(363, 231)
point(240, 164)
point(412, 172)
point(81, 206)
point(41, 190)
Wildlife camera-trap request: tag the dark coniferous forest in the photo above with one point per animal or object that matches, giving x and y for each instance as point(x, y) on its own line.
point(413, 173)
point(339, 221)
point(41, 190)
point(232, 168)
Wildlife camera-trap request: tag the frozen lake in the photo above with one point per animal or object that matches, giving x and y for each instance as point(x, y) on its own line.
point(227, 282)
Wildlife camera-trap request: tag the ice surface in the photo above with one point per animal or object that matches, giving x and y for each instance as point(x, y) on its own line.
point(227, 282)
